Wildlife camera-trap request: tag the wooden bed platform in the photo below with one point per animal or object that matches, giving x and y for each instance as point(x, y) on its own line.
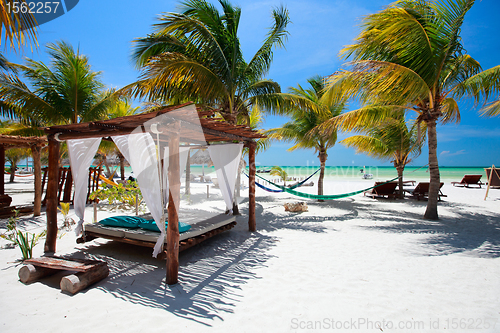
point(200, 231)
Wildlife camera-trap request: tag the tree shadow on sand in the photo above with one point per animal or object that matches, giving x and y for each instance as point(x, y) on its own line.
point(211, 274)
point(470, 230)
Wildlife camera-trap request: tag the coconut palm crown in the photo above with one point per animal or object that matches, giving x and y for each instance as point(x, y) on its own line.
point(196, 54)
point(393, 139)
point(67, 91)
point(304, 120)
point(410, 55)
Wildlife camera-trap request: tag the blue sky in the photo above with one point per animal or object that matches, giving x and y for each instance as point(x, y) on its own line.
point(103, 30)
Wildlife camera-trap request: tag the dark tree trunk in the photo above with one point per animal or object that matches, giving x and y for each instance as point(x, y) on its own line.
point(322, 159)
point(122, 166)
point(431, 212)
point(400, 170)
point(13, 167)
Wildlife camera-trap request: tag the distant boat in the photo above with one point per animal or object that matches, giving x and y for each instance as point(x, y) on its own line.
point(367, 176)
point(264, 171)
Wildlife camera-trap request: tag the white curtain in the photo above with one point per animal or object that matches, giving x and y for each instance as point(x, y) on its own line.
point(226, 159)
point(121, 142)
point(142, 156)
point(81, 155)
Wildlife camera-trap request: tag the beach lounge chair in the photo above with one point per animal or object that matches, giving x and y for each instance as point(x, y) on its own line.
point(495, 177)
point(468, 180)
point(383, 189)
point(421, 191)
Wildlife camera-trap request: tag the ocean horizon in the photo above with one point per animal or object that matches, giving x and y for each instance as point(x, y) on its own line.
point(349, 173)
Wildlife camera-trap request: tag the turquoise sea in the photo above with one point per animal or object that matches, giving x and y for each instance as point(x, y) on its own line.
point(380, 172)
point(447, 174)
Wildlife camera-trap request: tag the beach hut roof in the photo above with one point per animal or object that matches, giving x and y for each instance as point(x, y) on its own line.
point(202, 156)
point(15, 141)
point(214, 129)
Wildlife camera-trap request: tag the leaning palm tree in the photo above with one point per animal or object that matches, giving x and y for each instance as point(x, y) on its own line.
point(393, 140)
point(280, 172)
point(196, 54)
point(410, 55)
point(67, 91)
point(18, 27)
point(302, 129)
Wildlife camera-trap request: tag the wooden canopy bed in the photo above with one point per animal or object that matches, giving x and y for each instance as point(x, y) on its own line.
point(213, 130)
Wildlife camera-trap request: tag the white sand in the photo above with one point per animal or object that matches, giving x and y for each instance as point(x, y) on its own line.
point(359, 264)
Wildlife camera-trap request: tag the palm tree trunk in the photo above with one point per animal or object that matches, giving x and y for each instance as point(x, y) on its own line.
point(322, 159)
point(400, 181)
point(431, 212)
point(13, 167)
point(122, 166)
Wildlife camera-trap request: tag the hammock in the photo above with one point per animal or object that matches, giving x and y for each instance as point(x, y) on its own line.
point(324, 197)
point(281, 190)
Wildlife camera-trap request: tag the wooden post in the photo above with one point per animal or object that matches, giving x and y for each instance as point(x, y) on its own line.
point(173, 204)
point(37, 170)
point(2, 169)
point(188, 174)
point(208, 191)
point(489, 181)
point(252, 225)
point(95, 210)
point(53, 171)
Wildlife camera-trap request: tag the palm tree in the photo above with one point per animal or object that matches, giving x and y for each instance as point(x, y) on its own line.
point(301, 130)
point(410, 55)
point(17, 28)
point(68, 91)
point(120, 108)
point(13, 156)
point(391, 139)
point(280, 172)
point(196, 54)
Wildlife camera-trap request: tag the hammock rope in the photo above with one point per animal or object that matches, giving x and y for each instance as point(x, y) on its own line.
point(333, 196)
point(280, 190)
point(325, 197)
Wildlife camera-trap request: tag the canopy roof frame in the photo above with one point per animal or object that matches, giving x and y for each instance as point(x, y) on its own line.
point(214, 130)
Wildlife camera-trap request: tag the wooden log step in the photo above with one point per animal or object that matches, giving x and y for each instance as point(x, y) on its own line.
point(29, 273)
point(75, 282)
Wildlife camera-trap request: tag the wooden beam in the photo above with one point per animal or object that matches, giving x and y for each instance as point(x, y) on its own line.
point(2, 170)
point(36, 153)
point(252, 225)
point(53, 171)
point(174, 184)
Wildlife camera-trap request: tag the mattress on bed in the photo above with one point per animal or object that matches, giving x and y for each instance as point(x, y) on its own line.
point(198, 227)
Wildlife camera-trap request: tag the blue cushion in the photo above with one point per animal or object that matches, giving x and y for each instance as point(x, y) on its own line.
point(123, 221)
point(151, 225)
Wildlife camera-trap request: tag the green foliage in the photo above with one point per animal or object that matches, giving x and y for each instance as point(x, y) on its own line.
point(280, 172)
point(66, 91)
point(196, 55)
point(123, 194)
point(26, 241)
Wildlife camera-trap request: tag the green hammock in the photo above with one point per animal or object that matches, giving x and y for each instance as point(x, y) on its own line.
point(324, 197)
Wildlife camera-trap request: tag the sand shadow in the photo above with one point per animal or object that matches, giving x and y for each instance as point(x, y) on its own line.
point(211, 274)
point(469, 231)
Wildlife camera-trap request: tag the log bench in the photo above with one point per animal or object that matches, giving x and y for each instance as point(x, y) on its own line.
point(87, 272)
